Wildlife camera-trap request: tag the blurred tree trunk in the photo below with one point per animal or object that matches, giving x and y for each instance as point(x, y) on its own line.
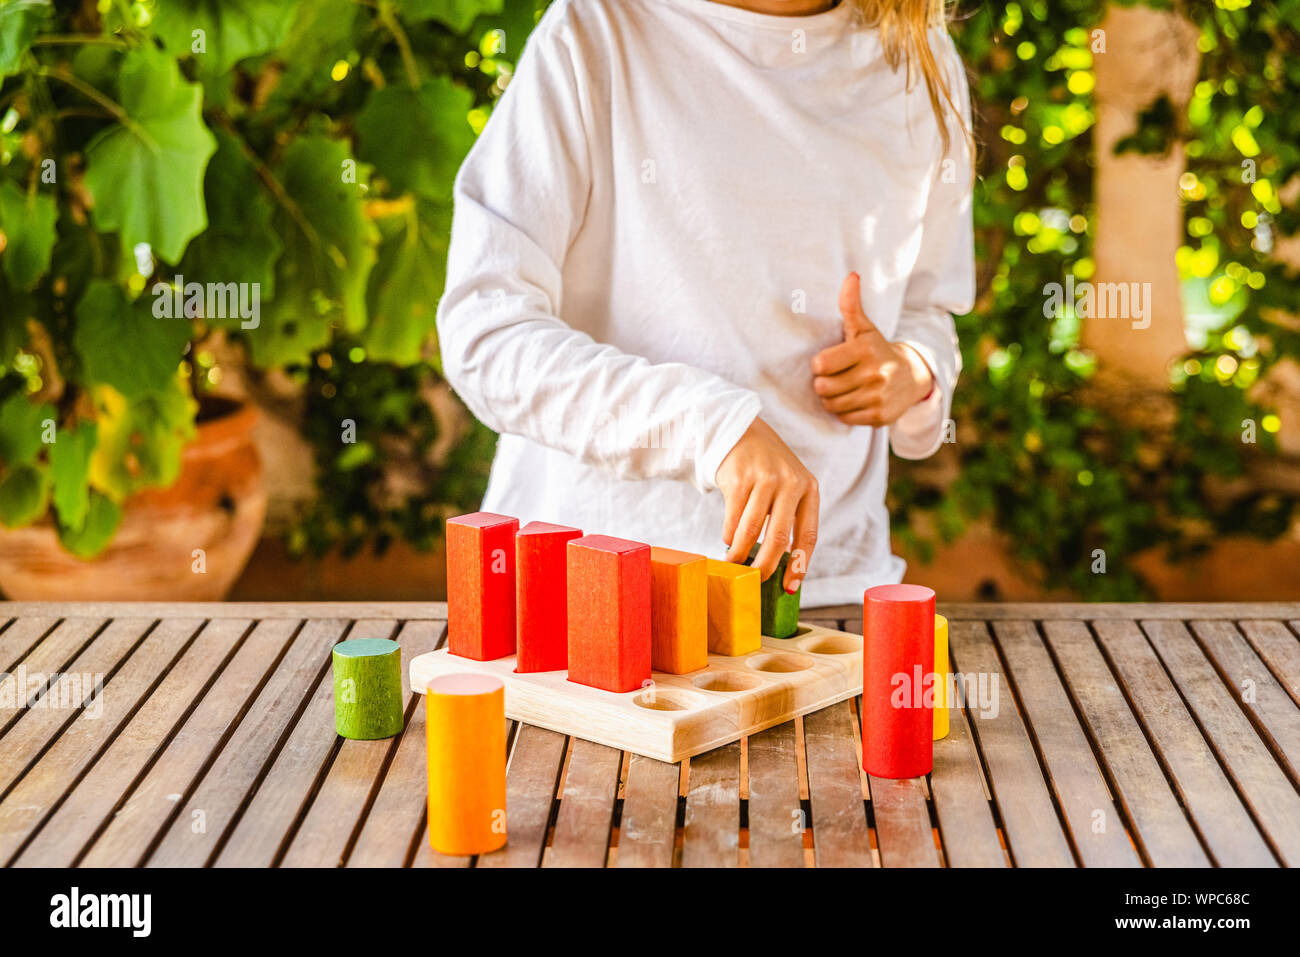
point(1148, 54)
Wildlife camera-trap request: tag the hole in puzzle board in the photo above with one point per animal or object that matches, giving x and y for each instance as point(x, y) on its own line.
point(726, 681)
point(655, 700)
point(832, 645)
point(779, 663)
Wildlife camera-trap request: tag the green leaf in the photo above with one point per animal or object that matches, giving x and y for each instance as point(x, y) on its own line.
point(240, 243)
point(27, 222)
point(70, 472)
point(20, 20)
point(322, 34)
point(146, 176)
point(22, 430)
point(231, 29)
point(103, 515)
point(320, 281)
point(24, 496)
point(139, 441)
point(405, 288)
point(123, 344)
point(457, 14)
point(416, 139)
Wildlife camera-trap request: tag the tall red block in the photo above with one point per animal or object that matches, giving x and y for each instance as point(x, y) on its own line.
point(481, 585)
point(898, 681)
point(609, 613)
point(541, 604)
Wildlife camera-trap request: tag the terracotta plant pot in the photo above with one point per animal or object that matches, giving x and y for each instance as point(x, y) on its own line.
point(217, 504)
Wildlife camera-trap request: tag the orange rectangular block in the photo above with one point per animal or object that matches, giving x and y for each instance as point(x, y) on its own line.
point(679, 625)
point(609, 613)
point(735, 625)
point(481, 585)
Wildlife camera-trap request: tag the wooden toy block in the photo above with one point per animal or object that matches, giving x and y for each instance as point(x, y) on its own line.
point(481, 585)
point(734, 608)
point(942, 672)
point(542, 596)
point(368, 688)
point(679, 628)
point(679, 716)
point(466, 736)
point(897, 676)
point(609, 612)
point(778, 609)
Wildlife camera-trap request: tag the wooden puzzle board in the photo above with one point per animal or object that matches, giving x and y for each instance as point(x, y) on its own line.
point(679, 715)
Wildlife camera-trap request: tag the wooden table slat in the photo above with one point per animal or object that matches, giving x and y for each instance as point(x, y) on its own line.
point(582, 827)
point(776, 815)
point(1279, 647)
point(1029, 819)
point(32, 729)
point(1091, 817)
point(1270, 708)
point(536, 760)
point(1262, 784)
point(838, 809)
point(711, 836)
point(156, 798)
point(64, 834)
point(967, 830)
point(75, 646)
point(206, 815)
point(40, 790)
point(1217, 813)
point(903, 831)
point(19, 639)
point(1161, 828)
point(647, 833)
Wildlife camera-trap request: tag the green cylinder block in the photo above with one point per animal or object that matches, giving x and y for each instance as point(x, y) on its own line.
point(779, 611)
point(368, 688)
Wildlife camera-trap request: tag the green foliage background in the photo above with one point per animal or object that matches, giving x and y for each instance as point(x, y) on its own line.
point(311, 146)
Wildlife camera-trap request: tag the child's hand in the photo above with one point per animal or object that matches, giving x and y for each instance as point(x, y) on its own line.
point(866, 379)
point(763, 481)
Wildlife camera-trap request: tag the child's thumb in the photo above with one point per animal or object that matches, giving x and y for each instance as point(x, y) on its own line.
point(856, 322)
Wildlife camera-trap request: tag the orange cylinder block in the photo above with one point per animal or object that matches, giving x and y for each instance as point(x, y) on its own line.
point(466, 728)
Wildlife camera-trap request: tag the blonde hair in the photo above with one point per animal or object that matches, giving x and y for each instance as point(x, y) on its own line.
point(904, 27)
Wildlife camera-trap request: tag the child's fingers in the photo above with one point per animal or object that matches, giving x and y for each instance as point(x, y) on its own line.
point(751, 521)
point(859, 400)
point(735, 499)
point(805, 539)
point(837, 358)
point(778, 532)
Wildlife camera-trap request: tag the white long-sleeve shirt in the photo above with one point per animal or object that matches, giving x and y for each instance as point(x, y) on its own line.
point(647, 248)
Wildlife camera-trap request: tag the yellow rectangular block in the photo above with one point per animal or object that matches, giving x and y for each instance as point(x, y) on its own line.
point(678, 611)
point(734, 608)
point(941, 702)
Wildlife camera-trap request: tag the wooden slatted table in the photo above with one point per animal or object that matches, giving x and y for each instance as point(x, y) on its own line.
point(202, 734)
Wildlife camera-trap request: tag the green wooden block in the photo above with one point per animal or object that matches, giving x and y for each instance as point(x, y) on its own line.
point(368, 688)
point(779, 613)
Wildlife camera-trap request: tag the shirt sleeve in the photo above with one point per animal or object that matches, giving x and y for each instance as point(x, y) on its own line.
point(943, 282)
point(520, 199)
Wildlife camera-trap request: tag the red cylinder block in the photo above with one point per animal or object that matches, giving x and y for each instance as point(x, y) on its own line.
point(897, 672)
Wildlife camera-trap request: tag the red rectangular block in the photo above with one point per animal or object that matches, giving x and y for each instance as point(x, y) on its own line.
point(481, 585)
point(541, 604)
point(609, 613)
